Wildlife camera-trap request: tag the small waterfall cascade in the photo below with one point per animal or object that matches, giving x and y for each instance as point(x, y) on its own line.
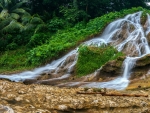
point(126, 34)
point(55, 65)
point(134, 44)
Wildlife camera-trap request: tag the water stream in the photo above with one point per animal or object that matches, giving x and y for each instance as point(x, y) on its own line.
point(133, 43)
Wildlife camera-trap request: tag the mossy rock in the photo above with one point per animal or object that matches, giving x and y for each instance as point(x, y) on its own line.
point(143, 61)
point(92, 58)
point(113, 65)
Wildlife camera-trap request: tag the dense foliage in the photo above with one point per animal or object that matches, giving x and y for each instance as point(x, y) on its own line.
point(17, 25)
point(41, 41)
point(63, 40)
point(92, 58)
point(92, 8)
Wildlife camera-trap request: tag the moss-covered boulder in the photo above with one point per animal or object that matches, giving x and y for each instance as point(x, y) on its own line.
point(113, 65)
point(112, 68)
point(92, 58)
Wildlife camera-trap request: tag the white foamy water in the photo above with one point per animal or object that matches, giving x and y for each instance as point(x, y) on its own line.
point(134, 43)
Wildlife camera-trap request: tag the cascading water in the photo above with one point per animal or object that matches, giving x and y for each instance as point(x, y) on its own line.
point(134, 44)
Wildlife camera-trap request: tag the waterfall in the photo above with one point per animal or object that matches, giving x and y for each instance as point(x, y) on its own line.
point(135, 39)
point(134, 44)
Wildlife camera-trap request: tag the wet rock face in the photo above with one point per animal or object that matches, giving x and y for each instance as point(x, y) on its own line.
point(143, 61)
point(30, 81)
point(141, 68)
point(148, 38)
point(130, 50)
point(61, 70)
point(122, 34)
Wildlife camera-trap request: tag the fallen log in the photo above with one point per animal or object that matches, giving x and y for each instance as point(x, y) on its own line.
point(114, 94)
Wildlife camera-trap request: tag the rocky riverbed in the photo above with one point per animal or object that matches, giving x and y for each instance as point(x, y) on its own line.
point(34, 98)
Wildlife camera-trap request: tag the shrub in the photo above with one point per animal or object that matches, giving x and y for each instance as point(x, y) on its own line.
point(56, 24)
point(38, 39)
point(12, 46)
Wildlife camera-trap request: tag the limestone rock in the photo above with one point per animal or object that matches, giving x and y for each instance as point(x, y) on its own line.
point(143, 61)
point(111, 68)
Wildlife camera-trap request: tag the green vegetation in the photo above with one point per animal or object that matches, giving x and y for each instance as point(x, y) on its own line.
point(42, 41)
point(63, 40)
point(13, 61)
point(92, 58)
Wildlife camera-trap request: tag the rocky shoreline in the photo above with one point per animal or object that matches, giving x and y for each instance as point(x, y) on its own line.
point(35, 98)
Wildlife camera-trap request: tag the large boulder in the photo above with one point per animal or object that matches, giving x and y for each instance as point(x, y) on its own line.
point(141, 68)
point(112, 68)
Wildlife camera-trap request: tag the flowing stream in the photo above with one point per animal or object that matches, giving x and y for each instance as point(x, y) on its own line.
point(134, 43)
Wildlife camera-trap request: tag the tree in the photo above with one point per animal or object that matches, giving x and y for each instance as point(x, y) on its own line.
point(10, 14)
point(14, 20)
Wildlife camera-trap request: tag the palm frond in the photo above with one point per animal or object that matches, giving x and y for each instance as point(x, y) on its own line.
point(29, 27)
point(13, 25)
point(19, 11)
point(36, 20)
point(26, 14)
point(5, 23)
point(27, 9)
point(18, 5)
point(1, 19)
point(25, 19)
point(1, 5)
point(25, 0)
point(7, 1)
point(40, 27)
point(15, 16)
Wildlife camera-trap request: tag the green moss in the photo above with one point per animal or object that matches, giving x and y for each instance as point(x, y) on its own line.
point(92, 58)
